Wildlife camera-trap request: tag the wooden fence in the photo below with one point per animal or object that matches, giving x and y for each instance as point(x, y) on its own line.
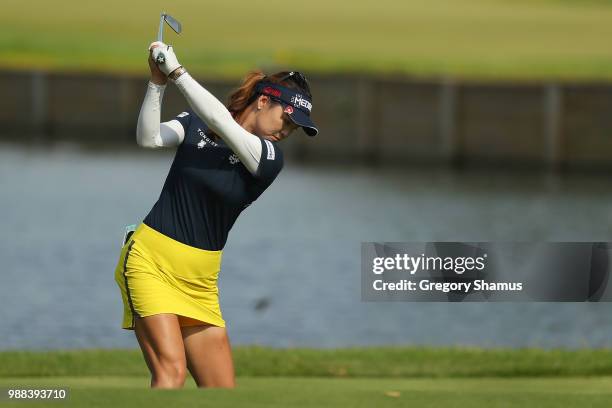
point(366, 119)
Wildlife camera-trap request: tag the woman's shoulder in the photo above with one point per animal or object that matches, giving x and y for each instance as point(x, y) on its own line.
point(195, 125)
point(271, 161)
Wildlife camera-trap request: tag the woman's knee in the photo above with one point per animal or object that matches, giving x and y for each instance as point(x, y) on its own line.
point(160, 339)
point(170, 373)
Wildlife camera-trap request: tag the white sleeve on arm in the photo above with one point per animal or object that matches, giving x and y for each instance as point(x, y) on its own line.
point(149, 131)
point(245, 144)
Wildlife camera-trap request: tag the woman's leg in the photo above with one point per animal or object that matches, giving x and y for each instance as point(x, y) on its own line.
point(161, 342)
point(209, 355)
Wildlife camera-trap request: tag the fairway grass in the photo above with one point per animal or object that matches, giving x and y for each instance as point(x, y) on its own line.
point(465, 39)
point(328, 392)
point(348, 377)
point(349, 362)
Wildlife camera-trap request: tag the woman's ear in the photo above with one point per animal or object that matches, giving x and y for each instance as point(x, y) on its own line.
point(262, 101)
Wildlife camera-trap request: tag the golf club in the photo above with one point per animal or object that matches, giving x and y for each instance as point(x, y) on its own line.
point(174, 24)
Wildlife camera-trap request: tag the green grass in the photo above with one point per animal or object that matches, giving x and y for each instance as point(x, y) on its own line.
point(299, 392)
point(491, 39)
point(347, 377)
point(354, 362)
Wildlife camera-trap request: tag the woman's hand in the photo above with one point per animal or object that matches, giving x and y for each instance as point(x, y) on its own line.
point(170, 62)
point(157, 76)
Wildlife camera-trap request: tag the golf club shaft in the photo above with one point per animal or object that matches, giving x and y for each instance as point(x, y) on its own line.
point(160, 33)
point(160, 37)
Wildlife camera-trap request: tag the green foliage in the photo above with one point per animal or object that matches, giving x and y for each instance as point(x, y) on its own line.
point(491, 39)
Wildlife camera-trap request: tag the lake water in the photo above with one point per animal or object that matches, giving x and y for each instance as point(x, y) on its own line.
point(64, 211)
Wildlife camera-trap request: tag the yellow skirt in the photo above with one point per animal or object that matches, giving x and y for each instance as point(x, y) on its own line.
point(157, 274)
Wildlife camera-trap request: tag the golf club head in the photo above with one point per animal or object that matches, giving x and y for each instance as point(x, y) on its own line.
point(173, 23)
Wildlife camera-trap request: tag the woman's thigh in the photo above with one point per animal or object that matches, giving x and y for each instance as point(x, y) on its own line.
point(209, 355)
point(162, 345)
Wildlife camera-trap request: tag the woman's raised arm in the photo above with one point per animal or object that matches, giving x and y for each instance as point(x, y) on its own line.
point(247, 146)
point(149, 131)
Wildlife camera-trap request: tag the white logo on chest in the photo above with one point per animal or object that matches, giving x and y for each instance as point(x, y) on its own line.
point(233, 159)
point(205, 139)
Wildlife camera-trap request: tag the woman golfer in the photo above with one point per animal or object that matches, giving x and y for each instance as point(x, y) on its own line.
point(225, 158)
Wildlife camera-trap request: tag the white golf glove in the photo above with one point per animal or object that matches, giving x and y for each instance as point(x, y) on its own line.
point(170, 63)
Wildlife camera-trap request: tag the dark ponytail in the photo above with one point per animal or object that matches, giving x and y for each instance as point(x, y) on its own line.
point(241, 97)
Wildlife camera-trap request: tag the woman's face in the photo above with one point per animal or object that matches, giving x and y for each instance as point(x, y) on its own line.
point(271, 122)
